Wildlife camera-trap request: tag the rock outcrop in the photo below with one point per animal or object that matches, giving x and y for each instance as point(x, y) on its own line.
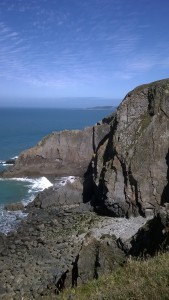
point(130, 169)
point(62, 242)
point(55, 249)
point(60, 153)
point(126, 155)
point(151, 238)
point(95, 258)
point(69, 195)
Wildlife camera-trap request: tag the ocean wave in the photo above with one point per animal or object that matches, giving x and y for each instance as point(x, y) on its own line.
point(5, 162)
point(9, 220)
point(35, 185)
point(40, 184)
point(64, 180)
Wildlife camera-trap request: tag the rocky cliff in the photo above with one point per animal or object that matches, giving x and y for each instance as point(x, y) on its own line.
point(130, 169)
point(60, 153)
point(63, 242)
point(126, 155)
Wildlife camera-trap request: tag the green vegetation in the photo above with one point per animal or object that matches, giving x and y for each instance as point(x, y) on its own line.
point(137, 280)
point(145, 121)
point(44, 139)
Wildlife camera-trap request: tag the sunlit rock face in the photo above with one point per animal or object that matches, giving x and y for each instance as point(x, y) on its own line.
point(130, 169)
point(125, 157)
point(61, 153)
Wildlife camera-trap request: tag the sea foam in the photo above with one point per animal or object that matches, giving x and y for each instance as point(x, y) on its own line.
point(64, 180)
point(9, 220)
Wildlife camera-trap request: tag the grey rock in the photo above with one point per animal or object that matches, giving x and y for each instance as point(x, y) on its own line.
point(58, 246)
point(98, 257)
point(2, 243)
point(67, 196)
point(130, 168)
point(14, 206)
point(60, 153)
point(150, 238)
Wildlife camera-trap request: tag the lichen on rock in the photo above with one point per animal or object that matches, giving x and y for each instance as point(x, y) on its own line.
point(130, 168)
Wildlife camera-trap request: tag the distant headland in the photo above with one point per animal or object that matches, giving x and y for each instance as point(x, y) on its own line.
point(102, 107)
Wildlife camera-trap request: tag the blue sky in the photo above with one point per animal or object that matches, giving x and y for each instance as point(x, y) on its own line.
point(54, 49)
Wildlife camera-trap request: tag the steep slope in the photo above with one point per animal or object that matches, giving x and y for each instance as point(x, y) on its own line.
point(130, 169)
point(60, 153)
point(126, 155)
point(62, 243)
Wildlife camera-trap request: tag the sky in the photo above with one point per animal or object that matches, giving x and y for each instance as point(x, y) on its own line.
point(67, 53)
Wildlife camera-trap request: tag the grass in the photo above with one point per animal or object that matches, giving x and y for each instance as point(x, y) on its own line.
point(137, 280)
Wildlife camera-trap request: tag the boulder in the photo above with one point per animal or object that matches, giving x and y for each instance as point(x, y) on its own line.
point(152, 238)
point(98, 257)
point(67, 196)
point(95, 258)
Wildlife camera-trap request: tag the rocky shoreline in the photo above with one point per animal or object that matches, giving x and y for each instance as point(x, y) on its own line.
point(41, 257)
point(115, 206)
point(60, 246)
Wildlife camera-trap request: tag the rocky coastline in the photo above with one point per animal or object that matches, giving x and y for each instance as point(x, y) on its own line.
point(115, 206)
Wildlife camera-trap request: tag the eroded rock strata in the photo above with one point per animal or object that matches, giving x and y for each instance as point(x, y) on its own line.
point(130, 169)
point(63, 242)
point(128, 173)
point(60, 153)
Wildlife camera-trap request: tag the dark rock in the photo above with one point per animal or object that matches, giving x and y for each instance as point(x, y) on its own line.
point(14, 206)
point(41, 257)
point(67, 196)
point(98, 257)
point(3, 246)
point(3, 292)
point(151, 238)
point(10, 161)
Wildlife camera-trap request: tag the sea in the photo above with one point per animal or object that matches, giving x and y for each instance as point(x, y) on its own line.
point(22, 128)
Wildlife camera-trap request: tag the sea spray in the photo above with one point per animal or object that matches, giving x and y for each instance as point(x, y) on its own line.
point(10, 220)
point(61, 181)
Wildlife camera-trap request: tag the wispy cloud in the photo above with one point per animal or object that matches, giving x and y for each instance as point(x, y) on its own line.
point(83, 42)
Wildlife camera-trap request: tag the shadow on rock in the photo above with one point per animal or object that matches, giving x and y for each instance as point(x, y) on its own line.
point(165, 194)
point(152, 237)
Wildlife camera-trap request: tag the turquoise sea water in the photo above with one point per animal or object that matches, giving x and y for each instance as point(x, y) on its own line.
point(22, 128)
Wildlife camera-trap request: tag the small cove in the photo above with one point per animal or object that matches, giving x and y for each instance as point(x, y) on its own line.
point(21, 129)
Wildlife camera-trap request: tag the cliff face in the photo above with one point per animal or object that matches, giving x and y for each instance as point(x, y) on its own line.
point(130, 169)
point(62, 241)
point(126, 156)
point(60, 153)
